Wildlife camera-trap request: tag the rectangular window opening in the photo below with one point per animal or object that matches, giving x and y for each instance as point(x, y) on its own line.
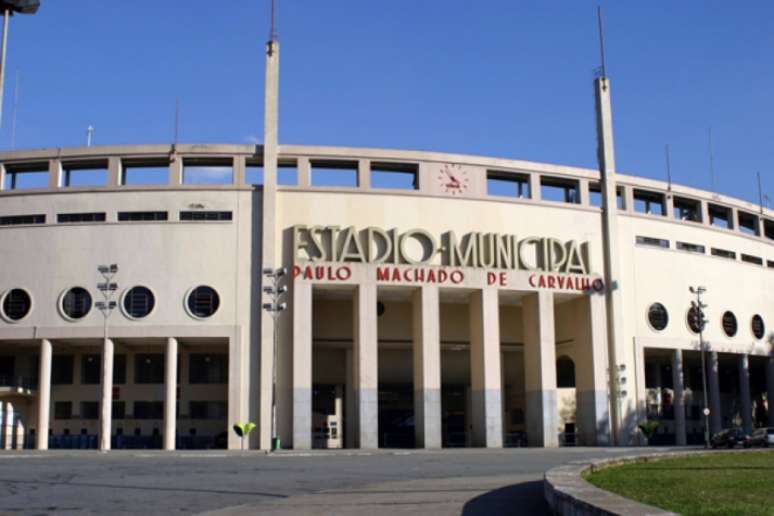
point(337, 174)
point(653, 242)
point(595, 196)
point(142, 216)
point(687, 209)
point(748, 223)
point(148, 410)
point(254, 172)
point(287, 172)
point(691, 248)
point(149, 368)
point(649, 203)
point(63, 410)
point(72, 218)
point(208, 172)
point(199, 216)
point(507, 185)
point(89, 410)
point(19, 177)
point(208, 368)
point(145, 173)
point(752, 259)
point(719, 216)
point(398, 176)
point(85, 174)
point(559, 190)
point(22, 220)
point(723, 253)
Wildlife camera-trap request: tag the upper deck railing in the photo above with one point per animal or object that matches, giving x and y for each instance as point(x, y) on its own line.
point(378, 170)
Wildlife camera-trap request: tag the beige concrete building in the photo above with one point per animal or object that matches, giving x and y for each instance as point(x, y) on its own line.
point(433, 300)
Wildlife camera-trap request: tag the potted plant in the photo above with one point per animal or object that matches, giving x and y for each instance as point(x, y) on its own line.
point(648, 429)
point(243, 430)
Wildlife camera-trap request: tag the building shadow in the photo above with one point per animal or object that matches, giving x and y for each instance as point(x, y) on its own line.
point(522, 498)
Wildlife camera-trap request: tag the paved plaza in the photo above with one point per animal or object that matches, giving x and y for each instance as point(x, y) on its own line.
point(453, 482)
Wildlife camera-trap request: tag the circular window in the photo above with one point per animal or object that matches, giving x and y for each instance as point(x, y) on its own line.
point(658, 316)
point(729, 324)
point(17, 303)
point(758, 328)
point(203, 302)
point(693, 320)
point(76, 303)
point(138, 302)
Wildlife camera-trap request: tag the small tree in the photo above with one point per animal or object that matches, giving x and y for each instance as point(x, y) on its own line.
point(243, 430)
point(648, 428)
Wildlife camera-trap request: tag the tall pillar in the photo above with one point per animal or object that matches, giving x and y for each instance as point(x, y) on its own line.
point(269, 250)
point(302, 366)
point(427, 367)
point(716, 419)
point(770, 389)
point(365, 365)
point(350, 408)
point(612, 254)
point(486, 395)
point(540, 369)
point(106, 409)
point(44, 395)
point(744, 392)
point(170, 391)
point(593, 403)
point(678, 400)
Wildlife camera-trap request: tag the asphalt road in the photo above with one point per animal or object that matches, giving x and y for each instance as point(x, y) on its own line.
point(468, 482)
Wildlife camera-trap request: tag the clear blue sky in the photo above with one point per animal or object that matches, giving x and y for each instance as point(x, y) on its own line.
point(498, 77)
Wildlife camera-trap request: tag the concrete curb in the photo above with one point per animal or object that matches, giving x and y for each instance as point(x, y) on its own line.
point(568, 494)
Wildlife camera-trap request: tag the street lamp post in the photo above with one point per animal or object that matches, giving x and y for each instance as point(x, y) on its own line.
point(9, 7)
point(107, 288)
point(697, 309)
point(275, 307)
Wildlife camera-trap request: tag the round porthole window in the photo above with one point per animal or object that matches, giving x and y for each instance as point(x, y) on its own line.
point(203, 302)
point(16, 305)
point(138, 302)
point(729, 324)
point(658, 316)
point(758, 328)
point(76, 303)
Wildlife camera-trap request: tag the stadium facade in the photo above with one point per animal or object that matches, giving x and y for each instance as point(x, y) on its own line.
point(432, 299)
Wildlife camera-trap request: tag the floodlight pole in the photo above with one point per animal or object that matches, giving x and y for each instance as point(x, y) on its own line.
point(6, 21)
point(698, 291)
point(108, 289)
point(275, 308)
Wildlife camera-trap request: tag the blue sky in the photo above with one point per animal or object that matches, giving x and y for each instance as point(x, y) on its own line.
point(494, 77)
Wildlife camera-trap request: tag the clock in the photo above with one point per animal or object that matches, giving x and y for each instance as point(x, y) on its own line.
point(453, 179)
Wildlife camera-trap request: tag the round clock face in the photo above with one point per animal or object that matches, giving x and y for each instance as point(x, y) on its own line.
point(453, 179)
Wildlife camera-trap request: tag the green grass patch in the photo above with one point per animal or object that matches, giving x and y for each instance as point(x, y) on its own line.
point(713, 483)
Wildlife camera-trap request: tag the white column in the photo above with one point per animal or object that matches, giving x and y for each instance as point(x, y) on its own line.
point(170, 398)
point(302, 366)
point(365, 365)
point(350, 410)
point(44, 395)
point(678, 399)
point(485, 383)
point(427, 367)
point(592, 413)
point(237, 410)
point(540, 369)
point(770, 389)
point(716, 420)
point(744, 393)
point(106, 412)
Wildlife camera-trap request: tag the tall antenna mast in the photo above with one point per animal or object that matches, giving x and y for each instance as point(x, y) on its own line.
point(177, 120)
point(760, 192)
point(273, 32)
point(15, 109)
point(89, 135)
point(668, 169)
point(603, 67)
point(711, 161)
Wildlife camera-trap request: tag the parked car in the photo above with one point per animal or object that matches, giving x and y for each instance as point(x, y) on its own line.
point(762, 437)
point(730, 438)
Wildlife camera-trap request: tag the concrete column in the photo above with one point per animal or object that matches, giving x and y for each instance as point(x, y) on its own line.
point(592, 412)
point(350, 410)
point(170, 397)
point(365, 365)
point(534, 187)
point(716, 419)
point(54, 173)
point(744, 392)
point(678, 399)
point(770, 389)
point(427, 367)
point(6, 412)
point(237, 411)
point(2, 178)
point(364, 173)
point(114, 171)
point(485, 383)
point(583, 191)
point(175, 170)
point(669, 206)
point(540, 369)
point(304, 170)
point(106, 412)
point(302, 366)
point(44, 395)
point(705, 215)
point(733, 219)
point(628, 198)
point(239, 165)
